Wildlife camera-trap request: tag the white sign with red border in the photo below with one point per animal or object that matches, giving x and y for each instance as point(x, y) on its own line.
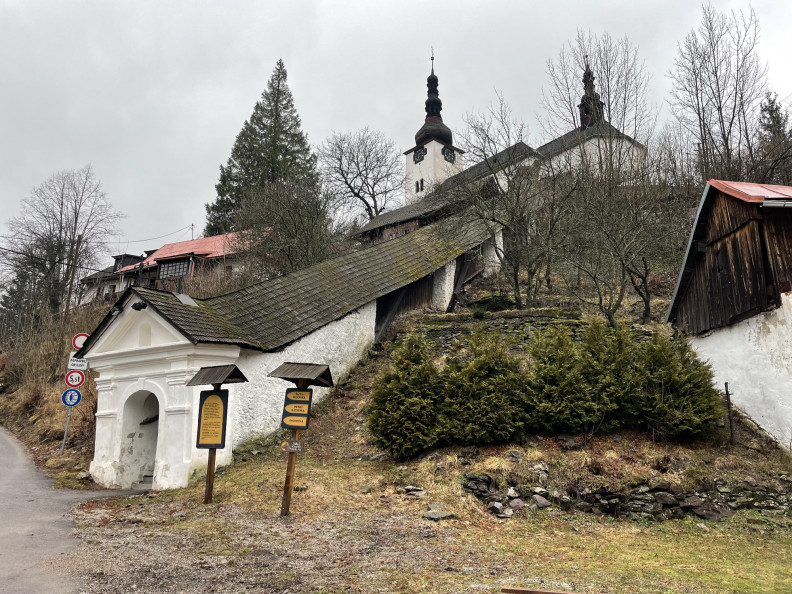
point(75, 378)
point(79, 340)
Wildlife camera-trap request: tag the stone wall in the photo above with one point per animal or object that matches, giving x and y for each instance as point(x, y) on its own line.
point(649, 501)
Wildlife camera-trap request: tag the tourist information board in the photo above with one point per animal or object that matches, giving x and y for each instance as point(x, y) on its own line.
point(212, 415)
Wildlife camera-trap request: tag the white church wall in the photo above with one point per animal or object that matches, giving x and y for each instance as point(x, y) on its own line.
point(258, 404)
point(755, 357)
point(161, 370)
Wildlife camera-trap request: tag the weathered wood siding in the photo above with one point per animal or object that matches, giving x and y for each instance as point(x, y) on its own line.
point(778, 230)
point(728, 281)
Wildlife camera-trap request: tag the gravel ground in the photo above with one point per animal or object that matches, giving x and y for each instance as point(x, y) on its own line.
point(174, 547)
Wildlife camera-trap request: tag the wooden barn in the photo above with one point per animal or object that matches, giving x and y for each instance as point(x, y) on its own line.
point(734, 296)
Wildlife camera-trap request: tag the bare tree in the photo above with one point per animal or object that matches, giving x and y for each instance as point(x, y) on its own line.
point(508, 195)
point(287, 226)
point(63, 228)
point(364, 169)
point(612, 203)
point(719, 82)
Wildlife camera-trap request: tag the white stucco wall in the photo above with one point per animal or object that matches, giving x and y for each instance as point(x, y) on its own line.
point(258, 404)
point(142, 354)
point(755, 357)
point(489, 251)
point(443, 286)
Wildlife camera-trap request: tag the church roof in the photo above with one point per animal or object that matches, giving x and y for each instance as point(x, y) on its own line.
point(441, 199)
point(578, 136)
point(273, 313)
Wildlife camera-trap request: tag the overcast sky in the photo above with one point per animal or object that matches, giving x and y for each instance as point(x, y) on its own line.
point(153, 93)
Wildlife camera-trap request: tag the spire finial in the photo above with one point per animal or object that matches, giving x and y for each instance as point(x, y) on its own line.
point(432, 47)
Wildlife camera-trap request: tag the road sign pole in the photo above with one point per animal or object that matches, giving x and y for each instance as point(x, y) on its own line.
point(291, 464)
point(66, 431)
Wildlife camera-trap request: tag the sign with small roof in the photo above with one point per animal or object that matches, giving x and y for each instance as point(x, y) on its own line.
point(296, 412)
point(213, 414)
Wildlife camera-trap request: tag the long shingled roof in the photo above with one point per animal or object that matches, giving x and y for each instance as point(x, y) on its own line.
point(273, 313)
point(281, 310)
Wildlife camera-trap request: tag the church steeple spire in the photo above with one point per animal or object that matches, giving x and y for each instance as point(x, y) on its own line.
point(591, 106)
point(433, 128)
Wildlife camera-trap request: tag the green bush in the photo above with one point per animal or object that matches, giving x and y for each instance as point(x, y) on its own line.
point(679, 398)
point(611, 368)
point(558, 397)
point(405, 401)
point(604, 382)
point(483, 396)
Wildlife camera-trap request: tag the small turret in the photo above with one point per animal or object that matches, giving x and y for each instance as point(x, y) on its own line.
point(591, 106)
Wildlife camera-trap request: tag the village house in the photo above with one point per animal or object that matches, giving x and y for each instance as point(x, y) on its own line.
point(162, 268)
point(734, 297)
point(153, 342)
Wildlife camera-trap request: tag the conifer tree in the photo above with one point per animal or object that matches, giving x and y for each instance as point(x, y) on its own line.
point(270, 148)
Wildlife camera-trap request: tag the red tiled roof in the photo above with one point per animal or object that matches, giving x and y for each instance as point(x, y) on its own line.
point(205, 247)
point(750, 192)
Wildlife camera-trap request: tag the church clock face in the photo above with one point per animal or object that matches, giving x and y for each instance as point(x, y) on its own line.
point(449, 154)
point(419, 154)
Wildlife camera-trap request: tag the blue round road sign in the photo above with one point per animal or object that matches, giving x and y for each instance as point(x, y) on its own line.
point(71, 397)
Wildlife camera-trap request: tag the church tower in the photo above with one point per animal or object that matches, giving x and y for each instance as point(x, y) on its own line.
point(591, 106)
point(434, 158)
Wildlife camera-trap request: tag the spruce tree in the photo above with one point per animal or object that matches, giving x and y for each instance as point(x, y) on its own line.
point(270, 148)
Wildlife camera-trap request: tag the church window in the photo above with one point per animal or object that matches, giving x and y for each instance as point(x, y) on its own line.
point(417, 188)
point(421, 184)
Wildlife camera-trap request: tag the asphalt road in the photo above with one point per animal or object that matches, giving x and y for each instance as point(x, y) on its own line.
point(33, 529)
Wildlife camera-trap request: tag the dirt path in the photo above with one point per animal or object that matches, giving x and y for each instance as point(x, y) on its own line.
point(33, 527)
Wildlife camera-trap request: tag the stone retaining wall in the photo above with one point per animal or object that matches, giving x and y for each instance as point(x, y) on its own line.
point(651, 501)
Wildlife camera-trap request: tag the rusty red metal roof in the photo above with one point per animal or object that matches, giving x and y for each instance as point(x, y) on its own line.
point(750, 192)
point(216, 246)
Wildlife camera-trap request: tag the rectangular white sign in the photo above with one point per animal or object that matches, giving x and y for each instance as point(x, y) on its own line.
point(81, 364)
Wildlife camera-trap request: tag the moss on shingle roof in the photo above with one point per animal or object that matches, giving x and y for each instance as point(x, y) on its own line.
point(277, 312)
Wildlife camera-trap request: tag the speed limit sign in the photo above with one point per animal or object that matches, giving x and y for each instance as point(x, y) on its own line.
point(75, 378)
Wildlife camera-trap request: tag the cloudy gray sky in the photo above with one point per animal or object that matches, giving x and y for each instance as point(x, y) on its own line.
point(153, 93)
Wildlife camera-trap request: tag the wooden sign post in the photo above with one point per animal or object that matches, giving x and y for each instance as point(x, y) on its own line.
point(212, 415)
point(296, 410)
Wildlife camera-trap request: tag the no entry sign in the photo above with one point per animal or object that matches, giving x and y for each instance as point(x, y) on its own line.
point(79, 340)
point(75, 378)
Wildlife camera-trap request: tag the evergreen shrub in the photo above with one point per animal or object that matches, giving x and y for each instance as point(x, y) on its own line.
point(604, 382)
point(406, 400)
point(679, 398)
point(484, 396)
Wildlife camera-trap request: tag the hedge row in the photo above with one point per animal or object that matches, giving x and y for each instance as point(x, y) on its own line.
point(604, 382)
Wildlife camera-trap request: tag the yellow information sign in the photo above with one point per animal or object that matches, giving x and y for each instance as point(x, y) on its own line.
point(294, 422)
point(302, 395)
point(296, 409)
point(212, 414)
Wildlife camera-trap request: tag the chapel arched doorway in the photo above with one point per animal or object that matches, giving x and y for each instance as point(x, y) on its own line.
point(140, 432)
